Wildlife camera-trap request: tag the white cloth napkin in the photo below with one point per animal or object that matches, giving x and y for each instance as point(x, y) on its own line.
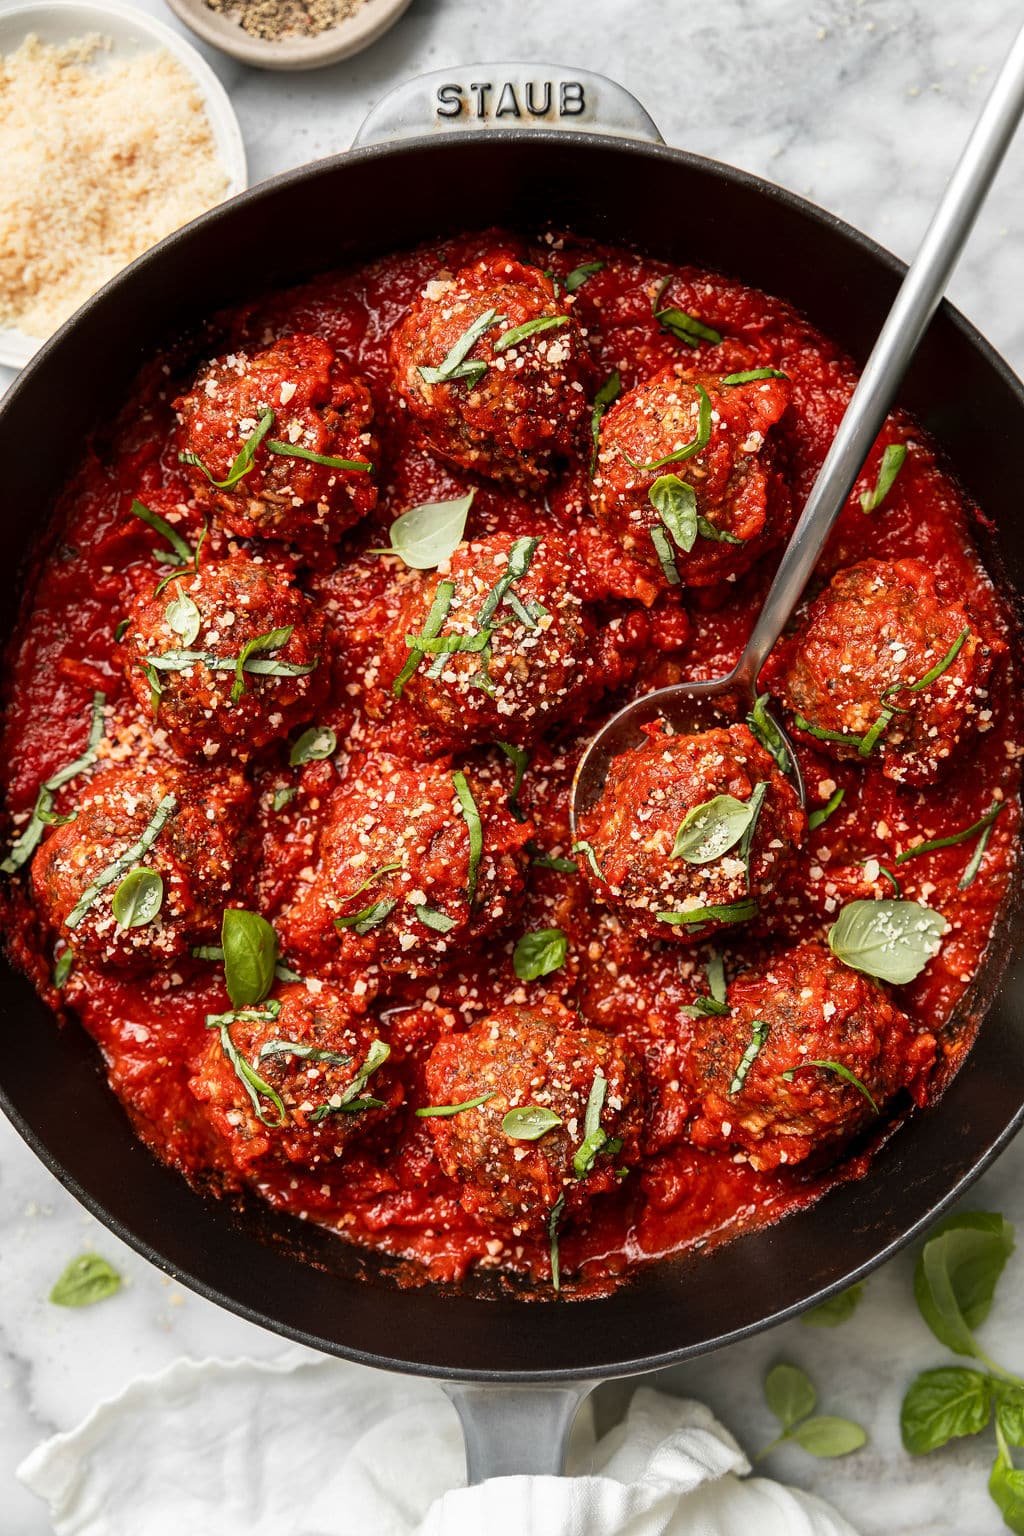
point(315, 1447)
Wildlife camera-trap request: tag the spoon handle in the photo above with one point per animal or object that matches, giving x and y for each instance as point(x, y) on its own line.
point(916, 302)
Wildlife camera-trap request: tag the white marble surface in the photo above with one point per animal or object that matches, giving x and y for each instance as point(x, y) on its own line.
point(862, 107)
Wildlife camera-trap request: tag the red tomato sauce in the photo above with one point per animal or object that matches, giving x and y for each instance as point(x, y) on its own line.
point(391, 1193)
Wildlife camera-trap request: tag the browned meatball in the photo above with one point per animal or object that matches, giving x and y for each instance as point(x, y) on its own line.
point(513, 409)
point(691, 833)
point(317, 409)
point(182, 651)
point(324, 1072)
point(415, 864)
point(853, 673)
point(805, 1008)
point(525, 1057)
point(186, 826)
point(533, 654)
point(726, 500)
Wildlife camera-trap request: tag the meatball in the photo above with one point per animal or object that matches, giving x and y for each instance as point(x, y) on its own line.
point(186, 826)
point(853, 674)
point(706, 516)
point(322, 1085)
point(511, 410)
point(415, 864)
point(529, 1057)
point(805, 1009)
point(691, 833)
point(182, 650)
point(533, 653)
point(294, 402)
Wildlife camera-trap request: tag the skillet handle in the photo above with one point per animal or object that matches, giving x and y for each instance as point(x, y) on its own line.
point(482, 97)
point(515, 1431)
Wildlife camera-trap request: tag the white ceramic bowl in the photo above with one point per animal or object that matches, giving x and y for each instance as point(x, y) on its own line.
point(130, 32)
point(368, 22)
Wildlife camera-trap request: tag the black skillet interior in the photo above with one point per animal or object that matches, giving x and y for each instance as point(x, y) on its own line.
point(297, 1279)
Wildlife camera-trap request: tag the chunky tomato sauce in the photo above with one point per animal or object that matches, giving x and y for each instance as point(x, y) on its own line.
point(389, 1190)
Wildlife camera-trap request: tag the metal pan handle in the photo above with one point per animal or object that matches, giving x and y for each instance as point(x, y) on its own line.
point(511, 1431)
point(482, 97)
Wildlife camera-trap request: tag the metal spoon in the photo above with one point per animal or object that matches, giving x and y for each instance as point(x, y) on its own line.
point(696, 706)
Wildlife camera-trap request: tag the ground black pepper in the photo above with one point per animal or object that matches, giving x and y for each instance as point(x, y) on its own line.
point(274, 20)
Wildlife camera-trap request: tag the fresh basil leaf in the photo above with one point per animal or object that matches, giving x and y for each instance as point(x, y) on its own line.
point(440, 922)
point(828, 1436)
point(429, 534)
point(606, 396)
point(369, 918)
point(293, 451)
point(284, 796)
point(313, 746)
point(180, 552)
point(120, 866)
point(734, 912)
point(474, 827)
point(759, 1030)
point(708, 831)
point(138, 898)
point(538, 954)
point(957, 1273)
point(764, 729)
point(893, 940)
point(63, 968)
point(454, 365)
point(518, 333)
point(259, 645)
point(183, 617)
point(837, 1309)
point(250, 955)
point(1006, 1487)
point(445, 1111)
point(676, 504)
point(1010, 1411)
point(529, 1122)
point(554, 1217)
point(578, 276)
point(789, 1393)
point(85, 1280)
point(751, 376)
point(244, 460)
point(944, 1405)
point(819, 817)
point(892, 463)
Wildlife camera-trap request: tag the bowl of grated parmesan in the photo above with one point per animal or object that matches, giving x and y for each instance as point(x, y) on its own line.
point(114, 133)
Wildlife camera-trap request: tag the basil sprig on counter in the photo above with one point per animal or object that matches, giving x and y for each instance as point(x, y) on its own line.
point(425, 536)
point(351, 1100)
point(679, 324)
point(606, 396)
point(893, 940)
point(244, 460)
point(250, 956)
point(699, 441)
point(892, 463)
point(85, 1280)
point(538, 954)
point(25, 844)
point(529, 1122)
point(529, 328)
point(121, 865)
point(454, 365)
point(837, 1069)
point(790, 1394)
point(138, 898)
point(837, 1309)
point(708, 831)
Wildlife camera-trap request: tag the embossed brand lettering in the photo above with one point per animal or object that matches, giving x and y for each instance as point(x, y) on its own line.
point(534, 98)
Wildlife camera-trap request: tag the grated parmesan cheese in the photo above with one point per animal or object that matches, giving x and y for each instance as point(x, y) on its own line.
point(101, 159)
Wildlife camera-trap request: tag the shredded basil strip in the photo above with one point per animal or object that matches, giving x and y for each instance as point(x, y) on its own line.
point(303, 1051)
point(716, 535)
point(554, 1217)
point(475, 828)
point(384, 869)
point(884, 720)
point(679, 324)
point(244, 460)
point(293, 451)
point(255, 1086)
point(426, 535)
point(803, 724)
point(561, 866)
point(666, 559)
point(606, 396)
point(63, 967)
point(733, 912)
point(440, 922)
point(431, 627)
point(454, 365)
point(138, 898)
point(751, 376)
point(594, 1137)
point(445, 1111)
point(839, 1070)
point(518, 562)
point(349, 1102)
point(676, 505)
point(256, 666)
point(756, 804)
point(25, 844)
point(955, 837)
point(578, 276)
point(120, 866)
point(970, 873)
point(369, 918)
point(764, 730)
point(520, 333)
point(892, 463)
point(284, 796)
point(700, 441)
point(587, 850)
point(271, 641)
point(519, 758)
point(181, 552)
point(819, 817)
point(529, 1122)
point(758, 1036)
point(313, 746)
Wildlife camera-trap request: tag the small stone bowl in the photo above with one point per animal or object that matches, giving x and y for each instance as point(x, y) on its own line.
point(370, 20)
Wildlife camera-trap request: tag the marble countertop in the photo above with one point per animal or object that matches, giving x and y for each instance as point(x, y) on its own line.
point(861, 107)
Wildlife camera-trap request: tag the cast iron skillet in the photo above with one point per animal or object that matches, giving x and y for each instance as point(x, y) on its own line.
point(297, 1279)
